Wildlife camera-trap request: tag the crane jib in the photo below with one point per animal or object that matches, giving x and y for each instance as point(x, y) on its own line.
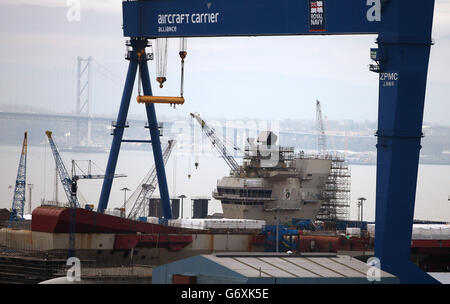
point(66, 181)
point(218, 143)
point(18, 203)
point(147, 186)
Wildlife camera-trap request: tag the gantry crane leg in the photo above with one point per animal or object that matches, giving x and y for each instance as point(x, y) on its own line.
point(402, 85)
point(137, 58)
point(156, 143)
point(118, 134)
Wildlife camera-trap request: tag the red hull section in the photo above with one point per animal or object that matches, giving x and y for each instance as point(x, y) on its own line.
point(172, 242)
point(315, 243)
point(430, 244)
point(56, 220)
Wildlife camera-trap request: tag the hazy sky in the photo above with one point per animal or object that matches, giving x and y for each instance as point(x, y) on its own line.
point(264, 77)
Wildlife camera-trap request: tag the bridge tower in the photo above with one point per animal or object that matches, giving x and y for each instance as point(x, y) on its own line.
point(84, 92)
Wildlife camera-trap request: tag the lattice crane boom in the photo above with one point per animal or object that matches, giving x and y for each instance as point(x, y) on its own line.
point(322, 142)
point(148, 185)
point(88, 174)
point(18, 203)
point(217, 142)
point(68, 184)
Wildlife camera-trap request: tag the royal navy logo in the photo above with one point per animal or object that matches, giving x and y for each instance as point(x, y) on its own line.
point(316, 16)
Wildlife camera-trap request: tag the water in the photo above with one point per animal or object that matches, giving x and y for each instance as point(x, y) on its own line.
point(432, 202)
point(433, 190)
point(135, 164)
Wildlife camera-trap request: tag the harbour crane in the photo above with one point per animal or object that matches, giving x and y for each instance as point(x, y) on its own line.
point(69, 185)
point(147, 186)
point(218, 143)
point(18, 203)
point(321, 141)
point(70, 188)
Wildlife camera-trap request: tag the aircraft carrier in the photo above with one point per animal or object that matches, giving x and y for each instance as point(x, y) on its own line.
point(274, 184)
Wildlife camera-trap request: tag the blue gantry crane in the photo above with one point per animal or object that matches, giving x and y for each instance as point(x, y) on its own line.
point(137, 58)
point(403, 30)
point(18, 203)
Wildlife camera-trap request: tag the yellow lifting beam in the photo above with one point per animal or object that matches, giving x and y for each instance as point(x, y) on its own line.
point(160, 99)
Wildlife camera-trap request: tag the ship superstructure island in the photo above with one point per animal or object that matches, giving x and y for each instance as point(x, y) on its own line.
point(280, 185)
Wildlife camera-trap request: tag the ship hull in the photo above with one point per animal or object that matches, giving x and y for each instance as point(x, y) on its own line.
point(307, 212)
point(114, 240)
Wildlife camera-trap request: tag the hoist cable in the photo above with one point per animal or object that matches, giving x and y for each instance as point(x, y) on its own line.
point(161, 60)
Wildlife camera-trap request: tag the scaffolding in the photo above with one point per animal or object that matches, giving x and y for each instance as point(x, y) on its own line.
point(336, 192)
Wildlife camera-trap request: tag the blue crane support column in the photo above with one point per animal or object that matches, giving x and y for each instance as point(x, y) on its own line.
point(18, 203)
point(156, 144)
point(119, 128)
point(403, 74)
